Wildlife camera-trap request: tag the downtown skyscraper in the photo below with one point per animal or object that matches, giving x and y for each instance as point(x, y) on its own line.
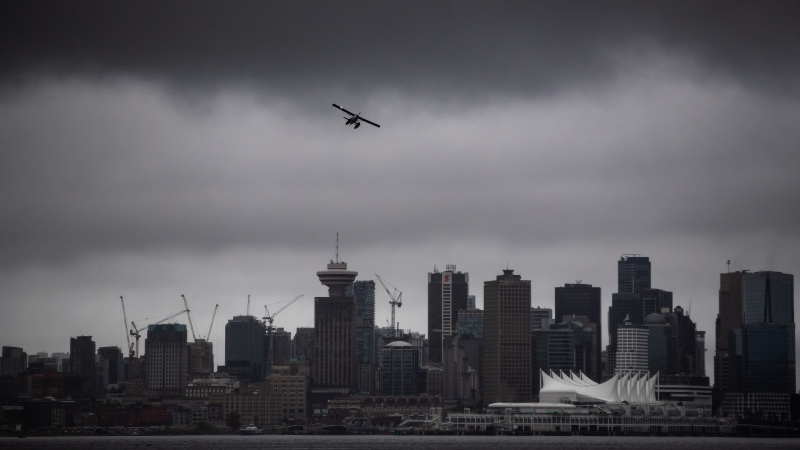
point(578, 299)
point(448, 293)
point(507, 339)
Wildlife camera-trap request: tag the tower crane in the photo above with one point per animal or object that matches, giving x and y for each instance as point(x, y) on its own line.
point(189, 314)
point(396, 300)
point(125, 324)
point(135, 331)
point(270, 318)
point(208, 335)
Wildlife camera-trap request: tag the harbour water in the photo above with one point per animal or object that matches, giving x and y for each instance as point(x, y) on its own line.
point(389, 442)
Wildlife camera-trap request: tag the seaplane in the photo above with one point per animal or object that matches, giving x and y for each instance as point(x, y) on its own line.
point(355, 119)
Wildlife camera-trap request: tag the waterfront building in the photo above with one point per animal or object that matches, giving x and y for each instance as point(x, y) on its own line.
point(507, 338)
point(116, 363)
point(292, 389)
point(364, 294)
point(244, 348)
point(167, 357)
point(578, 299)
point(448, 293)
point(335, 362)
point(632, 348)
point(401, 373)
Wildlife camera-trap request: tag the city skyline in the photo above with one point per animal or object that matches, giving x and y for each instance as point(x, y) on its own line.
point(155, 150)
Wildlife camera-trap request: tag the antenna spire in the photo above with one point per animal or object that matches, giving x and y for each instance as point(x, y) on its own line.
point(337, 247)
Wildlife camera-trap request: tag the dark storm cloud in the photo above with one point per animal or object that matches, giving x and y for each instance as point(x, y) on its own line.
point(419, 48)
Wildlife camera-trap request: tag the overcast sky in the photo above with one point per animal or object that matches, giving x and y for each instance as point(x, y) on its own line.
point(153, 149)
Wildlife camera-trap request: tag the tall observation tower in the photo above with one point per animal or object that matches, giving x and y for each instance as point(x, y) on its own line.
point(337, 277)
point(334, 368)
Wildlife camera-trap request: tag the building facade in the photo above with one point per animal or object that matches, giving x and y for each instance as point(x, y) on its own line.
point(244, 348)
point(167, 357)
point(448, 293)
point(507, 339)
point(578, 299)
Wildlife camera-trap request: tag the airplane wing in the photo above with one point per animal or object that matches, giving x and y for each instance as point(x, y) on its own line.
point(371, 123)
point(348, 112)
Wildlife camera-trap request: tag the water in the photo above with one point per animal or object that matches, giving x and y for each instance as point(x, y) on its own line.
point(390, 442)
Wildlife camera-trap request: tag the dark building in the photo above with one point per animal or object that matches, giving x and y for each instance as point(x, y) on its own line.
point(281, 348)
point(116, 363)
point(244, 348)
point(662, 345)
point(82, 361)
point(767, 297)
point(335, 363)
point(448, 293)
point(541, 318)
point(303, 343)
point(364, 293)
point(13, 361)
point(582, 300)
point(401, 373)
point(729, 318)
point(507, 339)
point(763, 358)
point(633, 274)
point(167, 360)
point(553, 349)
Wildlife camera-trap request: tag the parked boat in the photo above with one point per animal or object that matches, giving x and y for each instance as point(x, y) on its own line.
point(250, 429)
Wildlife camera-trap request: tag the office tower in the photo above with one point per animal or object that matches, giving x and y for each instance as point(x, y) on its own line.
point(541, 318)
point(579, 299)
point(82, 361)
point(662, 345)
point(167, 356)
point(281, 348)
point(304, 343)
point(462, 362)
point(552, 349)
point(729, 318)
point(632, 348)
point(507, 339)
point(401, 374)
point(763, 348)
point(470, 321)
point(244, 348)
point(685, 332)
point(364, 293)
point(335, 349)
point(101, 366)
point(447, 294)
point(116, 363)
point(700, 353)
point(633, 274)
point(471, 302)
point(13, 361)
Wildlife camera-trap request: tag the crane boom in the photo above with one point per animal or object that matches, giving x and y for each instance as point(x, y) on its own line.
point(189, 314)
point(270, 318)
point(396, 300)
point(125, 323)
point(208, 335)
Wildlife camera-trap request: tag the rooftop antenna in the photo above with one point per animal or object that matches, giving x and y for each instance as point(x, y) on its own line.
point(729, 266)
point(248, 304)
point(337, 247)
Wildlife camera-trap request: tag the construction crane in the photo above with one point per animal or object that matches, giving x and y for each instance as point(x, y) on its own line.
point(189, 314)
point(208, 335)
point(396, 300)
point(125, 324)
point(270, 318)
point(135, 331)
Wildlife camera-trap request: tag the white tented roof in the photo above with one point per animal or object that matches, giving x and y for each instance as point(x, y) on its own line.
point(627, 387)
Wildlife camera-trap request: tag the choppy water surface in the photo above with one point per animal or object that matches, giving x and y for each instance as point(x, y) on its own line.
point(389, 442)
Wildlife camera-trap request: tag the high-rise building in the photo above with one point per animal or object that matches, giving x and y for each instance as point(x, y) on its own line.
point(729, 318)
point(507, 339)
point(577, 299)
point(335, 362)
point(401, 374)
point(471, 302)
point(304, 343)
point(167, 356)
point(364, 293)
point(763, 348)
point(13, 361)
point(281, 347)
point(632, 348)
point(633, 274)
point(448, 293)
point(700, 353)
point(541, 318)
point(244, 348)
point(201, 357)
point(470, 321)
point(82, 361)
point(116, 363)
